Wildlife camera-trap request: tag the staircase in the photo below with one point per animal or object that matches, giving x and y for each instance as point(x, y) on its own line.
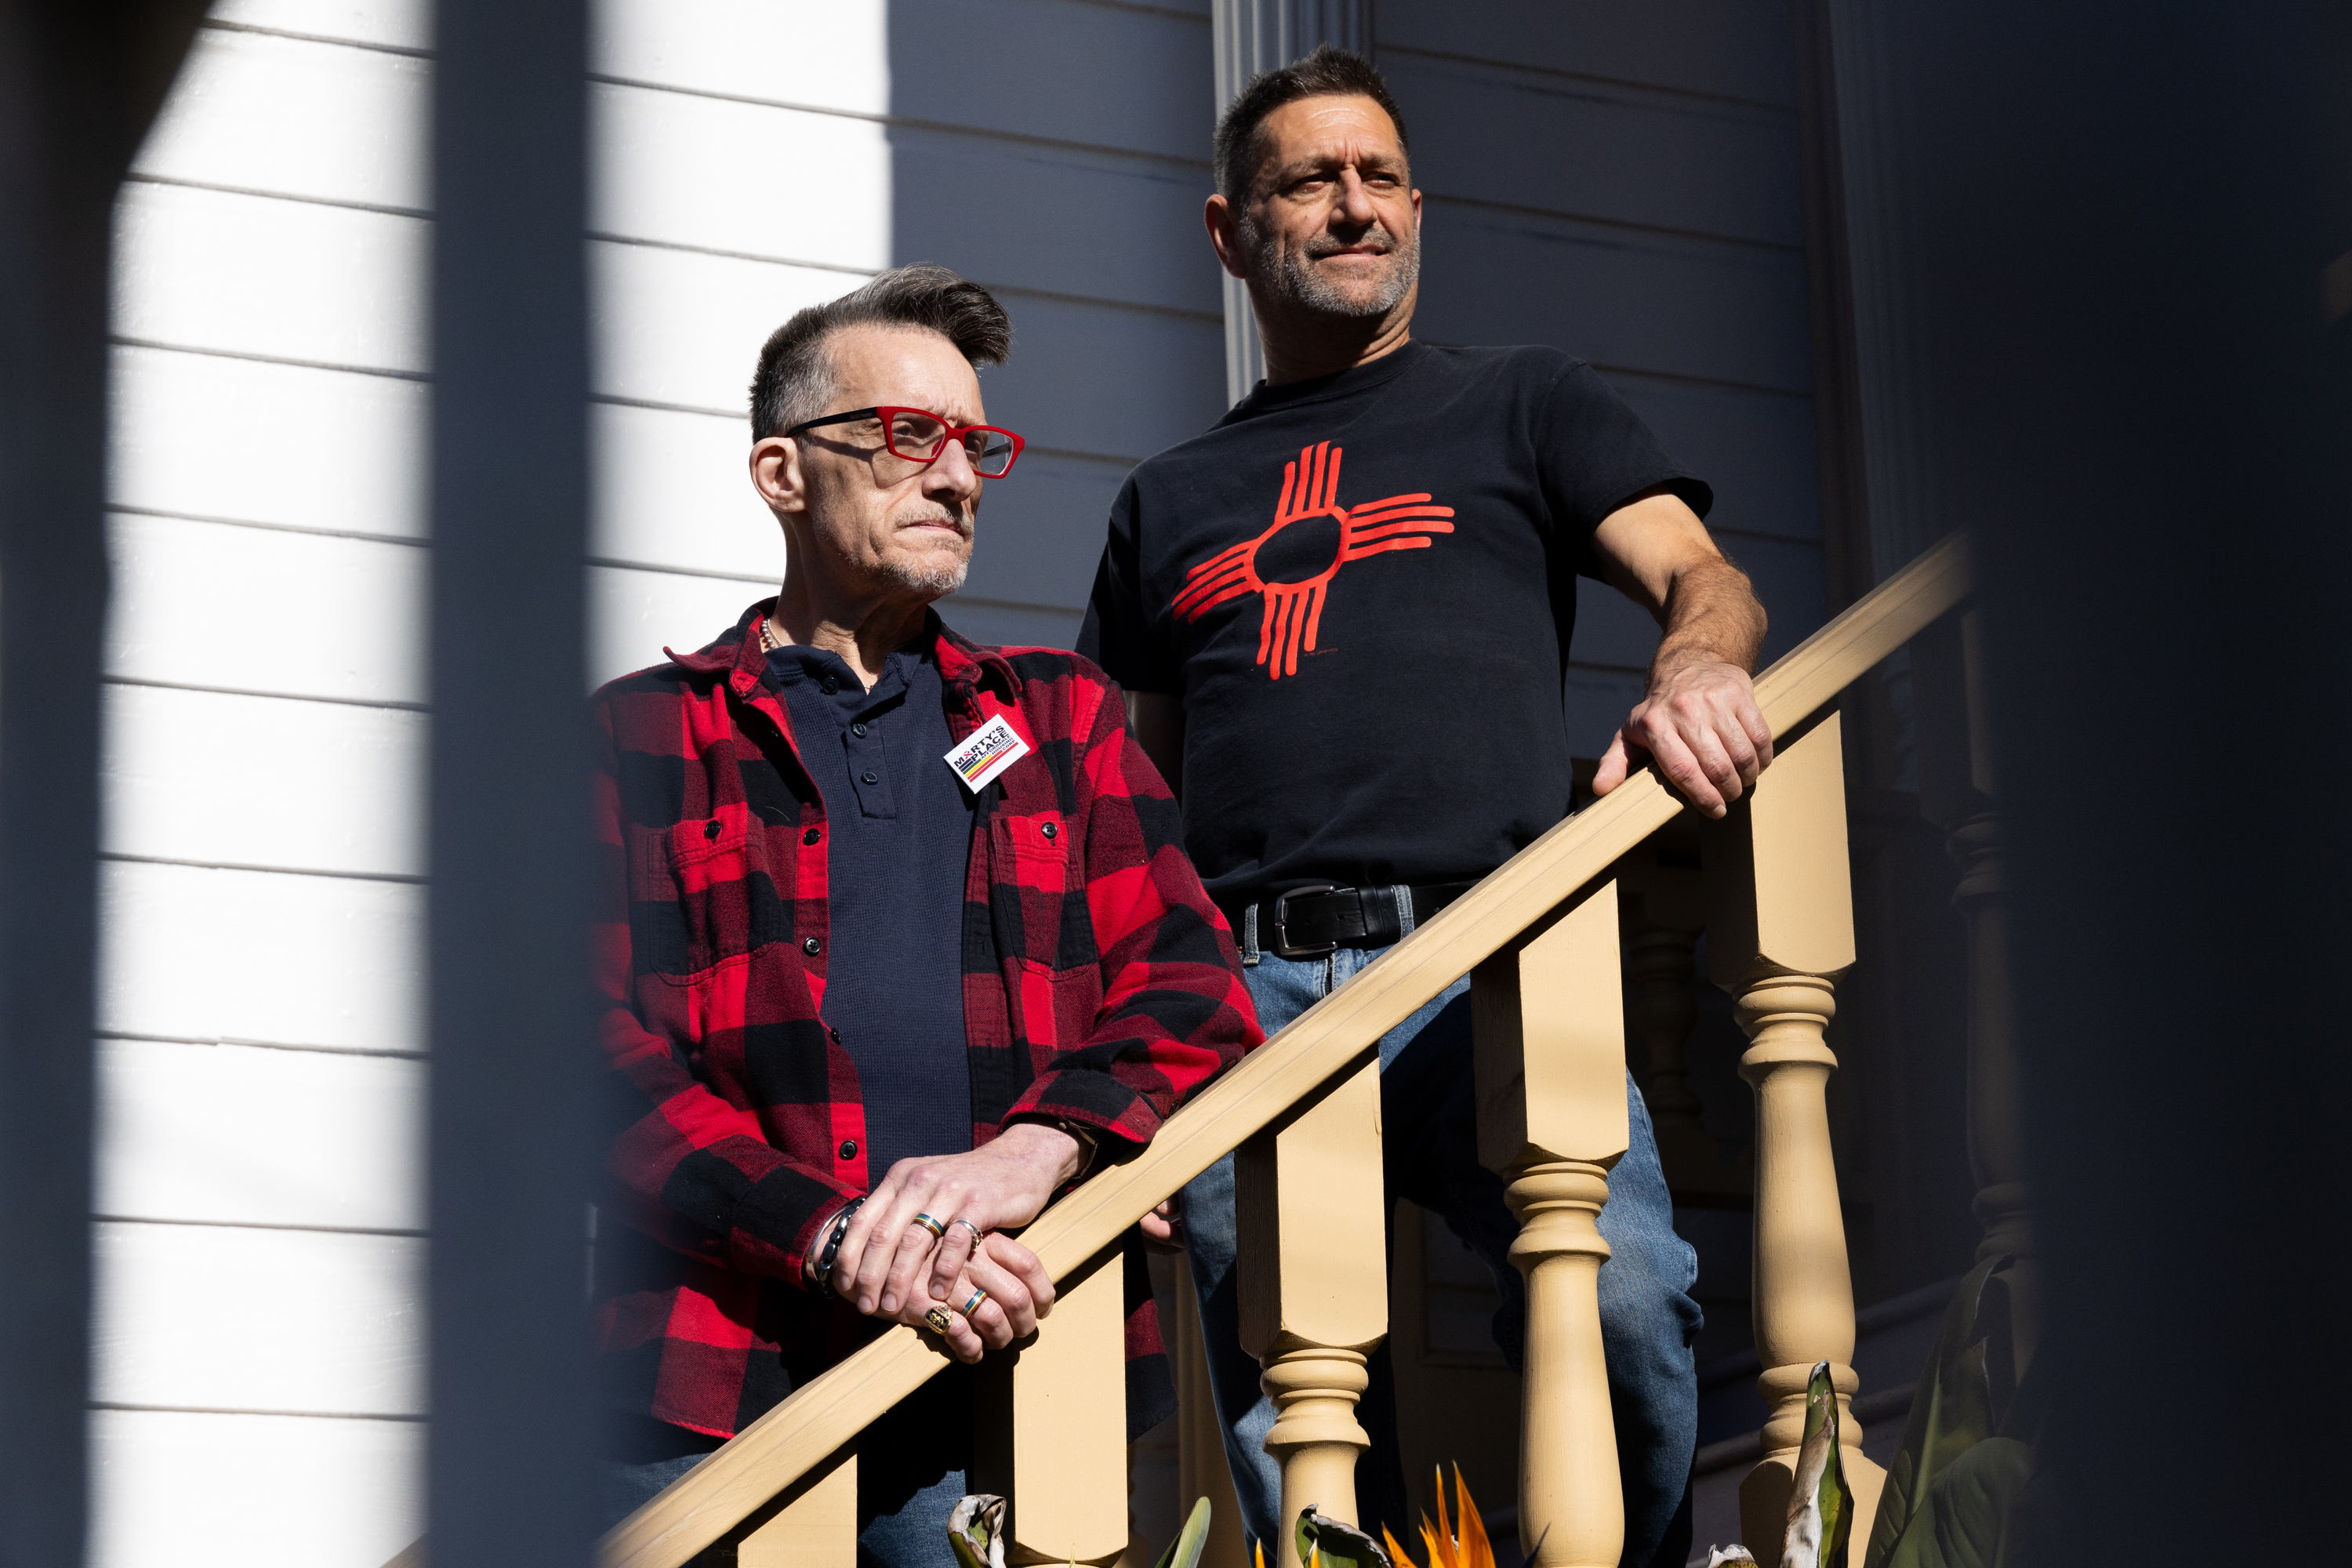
point(1541, 937)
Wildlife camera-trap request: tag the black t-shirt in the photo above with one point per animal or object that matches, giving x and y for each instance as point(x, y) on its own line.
point(1361, 588)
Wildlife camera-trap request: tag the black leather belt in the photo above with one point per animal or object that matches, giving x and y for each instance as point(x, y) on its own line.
point(1322, 918)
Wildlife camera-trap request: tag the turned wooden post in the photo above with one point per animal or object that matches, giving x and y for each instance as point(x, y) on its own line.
point(1663, 909)
point(1314, 1285)
point(1780, 932)
point(1959, 791)
point(1550, 1056)
point(1051, 1425)
point(814, 1524)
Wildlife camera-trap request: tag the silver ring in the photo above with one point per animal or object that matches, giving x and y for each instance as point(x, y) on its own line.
point(972, 1305)
point(978, 1235)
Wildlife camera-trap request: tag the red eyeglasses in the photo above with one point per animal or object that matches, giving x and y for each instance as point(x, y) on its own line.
point(919, 437)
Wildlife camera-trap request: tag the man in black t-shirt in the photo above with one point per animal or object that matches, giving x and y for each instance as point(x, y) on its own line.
point(1342, 618)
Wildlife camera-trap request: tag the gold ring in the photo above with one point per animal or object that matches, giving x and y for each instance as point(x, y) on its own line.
point(939, 1320)
point(934, 1227)
point(978, 1296)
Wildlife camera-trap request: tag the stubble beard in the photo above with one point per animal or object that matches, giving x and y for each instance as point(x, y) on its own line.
point(1289, 278)
point(932, 581)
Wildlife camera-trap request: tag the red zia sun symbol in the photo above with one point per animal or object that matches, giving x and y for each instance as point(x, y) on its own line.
point(1310, 489)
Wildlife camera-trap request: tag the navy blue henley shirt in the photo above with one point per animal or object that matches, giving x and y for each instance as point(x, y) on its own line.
point(899, 840)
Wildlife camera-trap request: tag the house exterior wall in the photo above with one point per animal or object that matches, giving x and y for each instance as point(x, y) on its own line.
point(1621, 182)
point(259, 1372)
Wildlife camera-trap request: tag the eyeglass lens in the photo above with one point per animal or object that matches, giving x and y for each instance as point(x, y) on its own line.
point(918, 437)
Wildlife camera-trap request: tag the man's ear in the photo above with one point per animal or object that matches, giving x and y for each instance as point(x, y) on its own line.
point(1229, 247)
point(776, 474)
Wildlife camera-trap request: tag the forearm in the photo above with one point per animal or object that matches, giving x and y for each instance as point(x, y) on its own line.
point(1711, 615)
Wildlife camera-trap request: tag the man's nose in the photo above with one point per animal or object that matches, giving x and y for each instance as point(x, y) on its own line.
point(1355, 202)
point(950, 474)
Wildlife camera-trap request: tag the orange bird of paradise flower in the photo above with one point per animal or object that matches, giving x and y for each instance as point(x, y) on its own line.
point(1310, 487)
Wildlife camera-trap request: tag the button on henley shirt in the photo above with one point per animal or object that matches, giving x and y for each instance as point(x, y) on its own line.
point(898, 828)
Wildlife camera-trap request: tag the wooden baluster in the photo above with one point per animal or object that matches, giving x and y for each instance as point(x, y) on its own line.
point(814, 1524)
point(1959, 791)
point(1050, 1423)
point(1202, 1469)
point(1662, 908)
point(1314, 1286)
point(1550, 1056)
point(1780, 932)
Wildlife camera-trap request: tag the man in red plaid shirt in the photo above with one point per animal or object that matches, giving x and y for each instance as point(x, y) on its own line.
point(898, 940)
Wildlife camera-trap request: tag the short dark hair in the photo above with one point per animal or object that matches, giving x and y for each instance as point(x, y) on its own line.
point(1326, 73)
point(795, 373)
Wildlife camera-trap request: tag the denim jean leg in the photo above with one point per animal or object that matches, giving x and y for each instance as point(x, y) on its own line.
point(1430, 1142)
point(1648, 1324)
point(1282, 989)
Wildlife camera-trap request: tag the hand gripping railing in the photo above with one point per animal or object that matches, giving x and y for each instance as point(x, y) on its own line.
point(1541, 936)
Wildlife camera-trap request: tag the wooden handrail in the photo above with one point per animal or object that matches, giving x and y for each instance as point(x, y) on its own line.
point(1337, 1033)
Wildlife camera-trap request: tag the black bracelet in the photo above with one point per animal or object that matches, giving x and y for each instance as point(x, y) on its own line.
point(821, 1271)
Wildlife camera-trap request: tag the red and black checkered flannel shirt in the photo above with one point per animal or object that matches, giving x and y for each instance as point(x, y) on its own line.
point(1101, 985)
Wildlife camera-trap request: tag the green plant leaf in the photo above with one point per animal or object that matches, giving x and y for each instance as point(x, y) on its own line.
point(1184, 1552)
point(1820, 1508)
point(976, 1530)
point(1335, 1543)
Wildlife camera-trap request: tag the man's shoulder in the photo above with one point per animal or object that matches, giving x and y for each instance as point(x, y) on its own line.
point(1058, 691)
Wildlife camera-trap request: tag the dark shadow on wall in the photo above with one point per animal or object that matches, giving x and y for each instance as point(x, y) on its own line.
point(1058, 152)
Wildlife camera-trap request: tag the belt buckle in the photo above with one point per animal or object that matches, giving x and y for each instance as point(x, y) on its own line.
point(1281, 946)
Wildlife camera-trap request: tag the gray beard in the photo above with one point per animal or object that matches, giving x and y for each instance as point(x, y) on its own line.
point(938, 585)
point(1288, 278)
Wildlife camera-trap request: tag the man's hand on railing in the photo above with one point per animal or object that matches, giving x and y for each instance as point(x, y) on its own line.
point(1701, 725)
point(893, 1265)
point(1163, 1227)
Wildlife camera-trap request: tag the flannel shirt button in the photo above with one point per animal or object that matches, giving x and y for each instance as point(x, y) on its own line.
point(710, 828)
point(849, 1148)
point(811, 946)
point(1048, 830)
point(811, 837)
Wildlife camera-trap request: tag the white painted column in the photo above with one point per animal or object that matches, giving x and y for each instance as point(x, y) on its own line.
point(1250, 37)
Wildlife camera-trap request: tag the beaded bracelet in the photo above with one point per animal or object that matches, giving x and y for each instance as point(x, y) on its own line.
point(820, 1267)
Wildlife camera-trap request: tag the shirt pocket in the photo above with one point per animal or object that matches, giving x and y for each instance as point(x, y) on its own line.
point(1035, 850)
point(1054, 1009)
point(713, 882)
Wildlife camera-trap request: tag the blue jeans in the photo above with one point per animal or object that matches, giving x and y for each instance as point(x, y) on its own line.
point(1429, 1122)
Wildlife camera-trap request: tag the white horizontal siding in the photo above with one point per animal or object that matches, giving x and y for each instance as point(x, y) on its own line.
point(260, 277)
point(1695, 309)
point(345, 617)
point(209, 437)
point(1755, 448)
point(1730, 48)
point(389, 23)
point(263, 781)
point(854, 193)
point(1016, 68)
point(634, 615)
point(1601, 151)
point(297, 118)
point(684, 329)
point(231, 1134)
point(230, 1317)
point(251, 1491)
point(198, 953)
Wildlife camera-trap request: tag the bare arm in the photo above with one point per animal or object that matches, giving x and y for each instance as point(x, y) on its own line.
point(1158, 720)
point(1698, 720)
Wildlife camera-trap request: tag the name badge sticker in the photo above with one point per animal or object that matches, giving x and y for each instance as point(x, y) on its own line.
point(992, 748)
